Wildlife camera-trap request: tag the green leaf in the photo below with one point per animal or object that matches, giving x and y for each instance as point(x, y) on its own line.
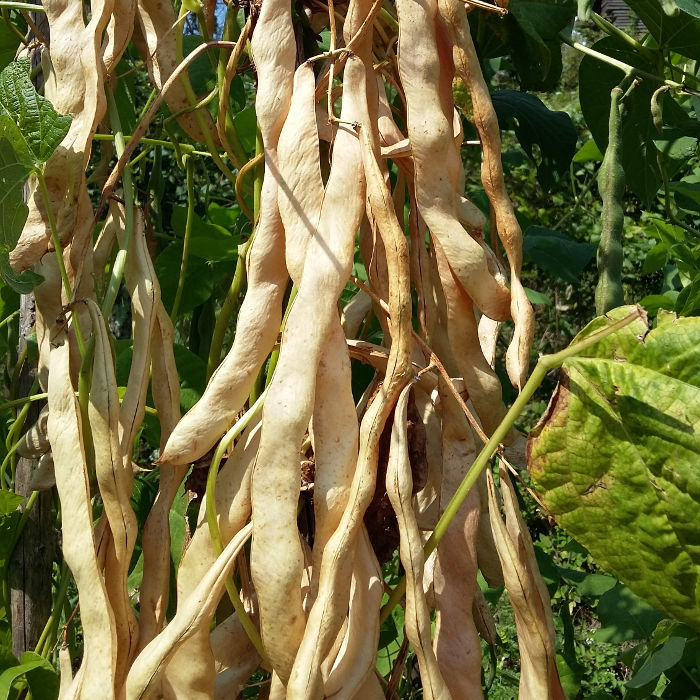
point(656, 258)
point(588, 152)
point(226, 217)
point(535, 124)
point(675, 144)
point(557, 254)
point(40, 125)
point(192, 371)
point(537, 56)
point(569, 675)
point(246, 124)
point(13, 214)
point(615, 457)
point(9, 501)
point(596, 585)
point(624, 616)
point(201, 73)
point(536, 297)
point(679, 32)
point(661, 660)
point(207, 240)
point(200, 277)
point(688, 300)
point(390, 640)
point(30, 662)
point(654, 302)
point(529, 33)
point(43, 680)
point(125, 98)
point(692, 7)
point(8, 45)
point(686, 195)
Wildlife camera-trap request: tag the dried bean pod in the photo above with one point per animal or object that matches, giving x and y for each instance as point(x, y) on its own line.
point(335, 428)
point(274, 52)
point(427, 500)
point(456, 642)
point(330, 608)
point(468, 68)
point(235, 658)
point(75, 85)
point(144, 290)
point(399, 487)
point(165, 387)
point(300, 193)
point(154, 39)
point(114, 479)
point(276, 557)
point(436, 158)
point(528, 595)
point(44, 476)
point(191, 671)
point(194, 614)
point(354, 313)
point(357, 656)
point(482, 383)
point(118, 33)
point(65, 433)
point(35, 442)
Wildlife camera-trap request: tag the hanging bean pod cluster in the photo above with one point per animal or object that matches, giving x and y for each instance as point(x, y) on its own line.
point(360, 150)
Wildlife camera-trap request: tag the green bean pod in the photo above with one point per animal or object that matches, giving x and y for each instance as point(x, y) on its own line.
point(611, 183)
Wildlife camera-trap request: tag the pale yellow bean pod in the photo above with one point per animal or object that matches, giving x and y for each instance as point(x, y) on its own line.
point(194, 614)
point(114, 479)
point(456, 642)
point(469, 69)
point(435, 155)
point(66, 436)
point(399, 487)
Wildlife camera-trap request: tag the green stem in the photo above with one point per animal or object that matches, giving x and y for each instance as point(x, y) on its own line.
point(16, 427)
point(22, 401)
point(189, 167)
point(21, 6)
point(616, 32)
point(275, 354)
point(227, 309)
point(48, 635)
point(231, 141)
point(23, 518)
point(117, 273)
point(11, 26)
point(544, 365)
point(627, 69)
point(203, 126)
point(215, 532)
point(151, 97)
point(46, 199)
point(7, 319)
point(259, 174)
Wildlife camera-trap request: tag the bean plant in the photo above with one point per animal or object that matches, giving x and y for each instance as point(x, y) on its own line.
point(273, 298)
